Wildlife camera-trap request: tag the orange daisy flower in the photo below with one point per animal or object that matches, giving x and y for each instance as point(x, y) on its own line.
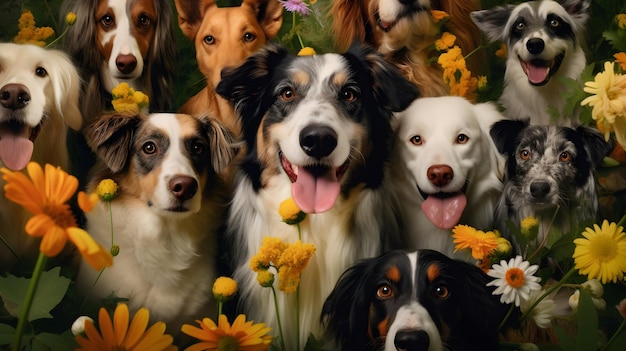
point(241, 335)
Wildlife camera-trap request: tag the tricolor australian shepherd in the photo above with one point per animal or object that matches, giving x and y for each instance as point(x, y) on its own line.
point(549, 174)
point(419, 300)
point(316, 128)
point(544, 40)
point(169, 206)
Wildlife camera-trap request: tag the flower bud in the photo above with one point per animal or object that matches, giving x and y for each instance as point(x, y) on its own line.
point(78, 327)
point(265, 278)
point(70, 18)
point(224, 288)
point(107, 189)
point(115, 250)
point(574, 300)
point(529, 228)
point(593, 287)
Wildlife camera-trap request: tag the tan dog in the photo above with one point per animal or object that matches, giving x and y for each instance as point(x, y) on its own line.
point(225, 37)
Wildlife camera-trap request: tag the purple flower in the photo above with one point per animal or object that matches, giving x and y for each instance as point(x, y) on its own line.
point(296, 6)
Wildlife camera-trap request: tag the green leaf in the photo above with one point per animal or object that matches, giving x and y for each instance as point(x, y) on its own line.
point(50, 290)
point(617, 38)
point(618, 343)
point(7, 333)
point(49, 341)
point(567, 342)
point(587, 337)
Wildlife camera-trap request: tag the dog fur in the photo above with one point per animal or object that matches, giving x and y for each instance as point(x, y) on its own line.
point(406, 33)
point(39, 92)
point(166, 215)
point(445, 169)
point(316, 128)
point(544, 41)
point(549, 175)
point(115, 41)
point(419, 300)
point(225, 37)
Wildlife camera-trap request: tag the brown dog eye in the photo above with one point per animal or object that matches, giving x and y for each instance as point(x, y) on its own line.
point(197, 148)
point(565, 156)
point(348, 95)
point(149, 148)
point(287, 94)
point(248, 37)
point(442, 292)
point(384, 292)
point(107, 21)
point(144, 21)
point(41, 72)
point(416, 140)
point(209, 39)
point(524, 155)
point(462, 139)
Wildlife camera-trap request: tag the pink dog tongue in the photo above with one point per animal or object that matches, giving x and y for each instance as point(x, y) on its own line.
point(536, 74)
point(444, 213)
point(315, 194)
point(15, 151)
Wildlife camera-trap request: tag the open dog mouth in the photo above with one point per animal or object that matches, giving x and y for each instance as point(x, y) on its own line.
point(315, 188)
point(539, 71)
point(444, 209)
point(16, 143)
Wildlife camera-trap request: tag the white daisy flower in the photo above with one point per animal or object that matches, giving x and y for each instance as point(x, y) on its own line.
point(514, 280)
point(543, 312)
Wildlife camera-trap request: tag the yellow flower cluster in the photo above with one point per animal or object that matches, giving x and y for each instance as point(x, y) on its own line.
point(608, 101)
point(127, 100)
point(455, 72)
point(288, 259)
point(481, 243)
point(29, 33)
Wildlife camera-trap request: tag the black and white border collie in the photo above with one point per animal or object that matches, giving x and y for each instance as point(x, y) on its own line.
point(544, 42)
point(421, 300)
point(316, 128)
point(549, 170)
point(171, 202)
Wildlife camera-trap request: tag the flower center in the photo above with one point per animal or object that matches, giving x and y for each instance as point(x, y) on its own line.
point(515, 277)
point(227, 343)
point(61, 214)
point(603, 248)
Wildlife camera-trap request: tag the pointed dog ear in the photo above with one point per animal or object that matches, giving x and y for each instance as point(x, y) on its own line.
point(492, 21)
point(190, 15)
point(504, 134)
point(111, 136)
point(269, 14)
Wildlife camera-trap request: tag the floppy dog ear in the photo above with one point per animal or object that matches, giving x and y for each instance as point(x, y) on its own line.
point(579, 10)
point(269, 14)
point(190, 14)
point(504, 134)
point(111, 136)
point(350, 23)
point(222, 144)
point(595, 144)
point(493, 21)
point(66, 87)
point(161, 62)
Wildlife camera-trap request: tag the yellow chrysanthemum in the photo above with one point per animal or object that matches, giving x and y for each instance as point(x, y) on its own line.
point(291, 264)
point(224, 288)
point(107, 189)
point(290, 212)
point(620, 58)
point(481, 243)
point(306, 51)
point(44, 195)
point(445, 42)
point(621, 20)
point(241, 335)
point(117, 334)
point(608, 101)
point(29, 33)
point(601, 254)
point(269, 252)
point(438, 15)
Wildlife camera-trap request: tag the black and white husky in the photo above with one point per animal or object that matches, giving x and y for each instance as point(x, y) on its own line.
point(543, 39)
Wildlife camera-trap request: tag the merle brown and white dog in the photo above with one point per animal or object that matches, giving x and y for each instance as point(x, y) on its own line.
point(166, 215)
point(318, 129)
point(420, 300)
point(544, 41)
point(549, 174)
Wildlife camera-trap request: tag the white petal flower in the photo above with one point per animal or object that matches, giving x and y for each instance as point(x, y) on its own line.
point(514, 280)
point(542, 313)
point(78, 327)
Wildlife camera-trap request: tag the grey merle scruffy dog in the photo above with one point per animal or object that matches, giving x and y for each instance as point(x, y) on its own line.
point(549, 174)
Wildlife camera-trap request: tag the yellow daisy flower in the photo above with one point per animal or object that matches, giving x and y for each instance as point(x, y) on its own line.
point(45, 194)
point(241, 335)
point(224, 288)
point(117, 335)
point(481, 243)
point(601, 254)
point(290, 212)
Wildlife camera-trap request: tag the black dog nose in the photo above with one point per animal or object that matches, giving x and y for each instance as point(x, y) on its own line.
point(126, 63)
point(183, 187)
point(535, 45)
point(539, 189)
point(318, 141)
point(411, 340)
point(14, 96)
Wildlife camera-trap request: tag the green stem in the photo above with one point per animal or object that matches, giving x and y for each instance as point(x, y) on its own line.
point(280, 327)
point(293, 28)
point(28, 300)
point(473, 51)
point(617, 332)
point(545, 238)
point(91, 289)
point(506, 318)
point(553, 288)
point(58, 38)
point(219, 309)
point(111, 222)
point(621, 221)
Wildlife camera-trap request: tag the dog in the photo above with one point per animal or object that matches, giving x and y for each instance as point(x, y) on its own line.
point(224, 37)
point(405, 31)
point(544, 41)
point(116, 41)
point(167, 213)
point(445, 169)
point(318, 129)
point(549, 175)
point(39, 93)
point(421, 300)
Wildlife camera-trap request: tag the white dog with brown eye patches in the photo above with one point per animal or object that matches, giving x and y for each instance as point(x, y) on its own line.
point(39, 91)
point(169, 207)
point(544, 41)
point(445, 169)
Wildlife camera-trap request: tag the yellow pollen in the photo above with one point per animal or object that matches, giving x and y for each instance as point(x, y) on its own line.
point(61, 214)
point(515, 277)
